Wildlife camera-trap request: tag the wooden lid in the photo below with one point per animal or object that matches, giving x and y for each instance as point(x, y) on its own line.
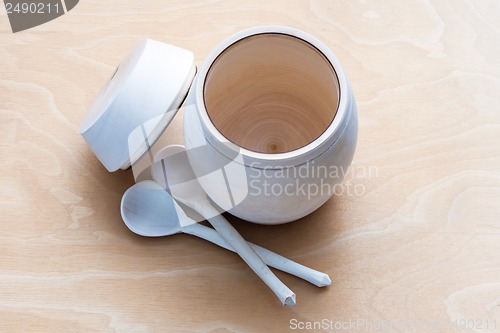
point(138, 102)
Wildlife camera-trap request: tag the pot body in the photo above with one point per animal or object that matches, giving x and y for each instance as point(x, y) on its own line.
point(265, 187)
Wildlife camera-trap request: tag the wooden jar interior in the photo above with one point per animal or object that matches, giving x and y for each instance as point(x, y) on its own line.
point(271, 93)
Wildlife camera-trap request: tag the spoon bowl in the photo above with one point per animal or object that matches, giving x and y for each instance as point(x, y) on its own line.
point(180, 180)
point(148, 210)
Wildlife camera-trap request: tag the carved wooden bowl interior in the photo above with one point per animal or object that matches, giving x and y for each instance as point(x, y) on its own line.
point(271, 93)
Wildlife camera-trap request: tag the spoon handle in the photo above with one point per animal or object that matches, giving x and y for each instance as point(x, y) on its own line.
point(232, 237)
point(270, 258)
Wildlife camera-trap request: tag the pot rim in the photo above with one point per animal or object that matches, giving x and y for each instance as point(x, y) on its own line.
point(294, 157)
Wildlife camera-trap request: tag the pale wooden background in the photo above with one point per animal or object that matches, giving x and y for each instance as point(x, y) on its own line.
point(419, 244)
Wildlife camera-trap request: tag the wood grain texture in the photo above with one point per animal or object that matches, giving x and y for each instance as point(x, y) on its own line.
point(413, 239)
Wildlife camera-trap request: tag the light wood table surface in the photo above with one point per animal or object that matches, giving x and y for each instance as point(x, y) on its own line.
point(412, 245)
